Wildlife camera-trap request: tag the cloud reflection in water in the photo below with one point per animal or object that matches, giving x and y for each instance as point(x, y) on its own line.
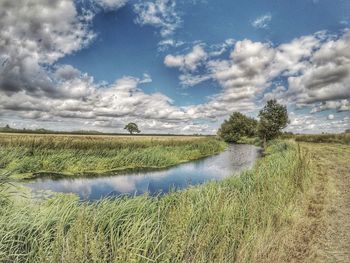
point(235, 159)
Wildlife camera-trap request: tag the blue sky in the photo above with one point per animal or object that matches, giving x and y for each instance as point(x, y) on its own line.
point(173, 66)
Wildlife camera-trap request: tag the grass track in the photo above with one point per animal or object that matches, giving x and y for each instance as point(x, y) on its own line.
point(321, 231)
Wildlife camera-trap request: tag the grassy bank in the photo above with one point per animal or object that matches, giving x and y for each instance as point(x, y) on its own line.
point(320, 231)
point(28, 154)
point(225, 221)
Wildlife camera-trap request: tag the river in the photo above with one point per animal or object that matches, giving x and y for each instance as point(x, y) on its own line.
point(235, 159)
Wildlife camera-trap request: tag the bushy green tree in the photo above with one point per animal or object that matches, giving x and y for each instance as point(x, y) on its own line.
point(237, 126)
point(273, 118)
point(132, 128)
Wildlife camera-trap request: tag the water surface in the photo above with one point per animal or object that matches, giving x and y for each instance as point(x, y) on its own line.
point(235, 159)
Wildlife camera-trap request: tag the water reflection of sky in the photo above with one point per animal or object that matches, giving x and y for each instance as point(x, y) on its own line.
point(235, 159)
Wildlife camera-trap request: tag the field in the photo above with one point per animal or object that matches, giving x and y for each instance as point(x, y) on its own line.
point(324, 138)
point(217, 222)
point(25, 155)
point(283, 210)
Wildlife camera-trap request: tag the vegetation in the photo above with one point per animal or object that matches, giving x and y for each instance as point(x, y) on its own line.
point(320, 232)
point(132, 128)
point(225, 221)
point(25, 155)
point(236, 127)
point(324, 138)
point(273, 118)
point(241, 129)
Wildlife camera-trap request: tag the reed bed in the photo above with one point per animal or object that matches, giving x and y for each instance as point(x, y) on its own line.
point(227, 221)
point(72, 155)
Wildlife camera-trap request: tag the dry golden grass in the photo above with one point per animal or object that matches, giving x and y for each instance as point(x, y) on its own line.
point(320, 230)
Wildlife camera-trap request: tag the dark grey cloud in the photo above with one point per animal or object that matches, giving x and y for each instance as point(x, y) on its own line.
point(35, 33)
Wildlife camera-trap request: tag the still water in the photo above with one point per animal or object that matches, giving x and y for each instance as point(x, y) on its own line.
point(232, 161)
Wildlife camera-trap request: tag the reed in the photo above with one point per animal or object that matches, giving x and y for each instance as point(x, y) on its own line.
point(25, 155)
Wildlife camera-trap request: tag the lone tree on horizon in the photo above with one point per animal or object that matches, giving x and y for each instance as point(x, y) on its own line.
point(132, 128)
point(273, 118)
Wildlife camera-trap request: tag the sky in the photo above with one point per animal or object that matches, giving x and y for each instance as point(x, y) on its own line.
point(173, 66)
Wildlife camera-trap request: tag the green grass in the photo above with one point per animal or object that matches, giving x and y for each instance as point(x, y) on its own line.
point(72, 155)
point(225, 221)
point(250, 140)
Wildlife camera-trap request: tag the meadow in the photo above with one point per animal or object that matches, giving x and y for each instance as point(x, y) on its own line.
point(233, 220)
point(28, 155)
point(343, 138)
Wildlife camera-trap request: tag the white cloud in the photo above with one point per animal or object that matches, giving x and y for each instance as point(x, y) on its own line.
point(34, 34)
point(112, 4)
point(301, 123)
point(189, 80)
point(160, 14)
point(254, 66)
point(262, 21)
point(278, 94)
point(341, 105)
point(219, 49)
point(330, 117)
point(166, 43)
point(33, 87)
point(188, 62)
point(146, 78)
point(327, 75)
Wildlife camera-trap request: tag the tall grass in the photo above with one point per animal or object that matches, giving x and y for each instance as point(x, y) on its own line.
point(26, 155)
point(324, 138)
point(217, 222)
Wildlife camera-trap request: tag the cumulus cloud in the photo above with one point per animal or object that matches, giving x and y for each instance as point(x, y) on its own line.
point(301, 123)
point(316, 67)
point(160, 14)
point(327, 78)
point(342, 105)
point(189, 62)
point(35, 33)
point(262, 21)
point(86, 100)
point(247, 67)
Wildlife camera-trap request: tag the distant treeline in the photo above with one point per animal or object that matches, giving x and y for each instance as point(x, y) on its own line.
point(8, 129)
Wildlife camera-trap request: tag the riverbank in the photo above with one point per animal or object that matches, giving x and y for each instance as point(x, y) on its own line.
point(231, 220)
point(27, 156)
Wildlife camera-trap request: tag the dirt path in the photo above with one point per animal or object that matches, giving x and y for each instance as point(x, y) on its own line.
point(331, 243)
